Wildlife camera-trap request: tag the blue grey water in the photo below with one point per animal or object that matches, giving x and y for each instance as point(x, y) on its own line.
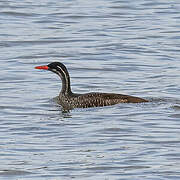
point(129, 47)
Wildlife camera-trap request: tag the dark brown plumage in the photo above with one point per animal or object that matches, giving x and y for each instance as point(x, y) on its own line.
point(69, 100)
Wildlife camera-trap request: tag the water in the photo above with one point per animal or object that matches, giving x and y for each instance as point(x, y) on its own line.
point(129, 47)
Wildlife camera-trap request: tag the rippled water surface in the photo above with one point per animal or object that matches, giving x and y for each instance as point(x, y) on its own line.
point(129, 47)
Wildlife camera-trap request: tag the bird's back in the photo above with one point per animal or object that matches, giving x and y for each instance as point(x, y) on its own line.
point(95, 99)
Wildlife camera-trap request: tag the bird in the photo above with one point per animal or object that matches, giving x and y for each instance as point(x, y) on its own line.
point(69, 100)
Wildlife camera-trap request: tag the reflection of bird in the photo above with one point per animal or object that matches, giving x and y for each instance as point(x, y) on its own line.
point(70, 100)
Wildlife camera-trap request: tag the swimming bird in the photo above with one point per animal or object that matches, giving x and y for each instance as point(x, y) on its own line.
point(69, 100)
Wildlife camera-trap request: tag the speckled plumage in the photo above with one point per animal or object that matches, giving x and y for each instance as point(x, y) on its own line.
point(69, 100)
point(95, 99)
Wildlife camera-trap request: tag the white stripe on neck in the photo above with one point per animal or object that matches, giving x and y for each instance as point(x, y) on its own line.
point(65, 74)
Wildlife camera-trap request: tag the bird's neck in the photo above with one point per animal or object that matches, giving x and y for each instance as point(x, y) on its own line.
point(66, 85)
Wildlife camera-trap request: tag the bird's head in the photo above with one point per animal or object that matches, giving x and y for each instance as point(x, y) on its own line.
point(55, 67)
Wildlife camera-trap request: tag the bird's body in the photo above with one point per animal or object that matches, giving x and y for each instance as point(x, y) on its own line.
point(69, 100)
point(95, 99)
